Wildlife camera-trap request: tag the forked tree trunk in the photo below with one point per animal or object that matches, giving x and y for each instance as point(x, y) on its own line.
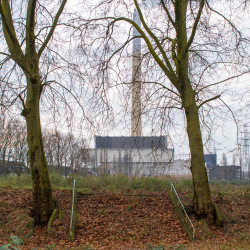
point(42, 194)
point(202, 198)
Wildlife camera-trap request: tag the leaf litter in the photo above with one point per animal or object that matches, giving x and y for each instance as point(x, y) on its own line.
point(112, 220)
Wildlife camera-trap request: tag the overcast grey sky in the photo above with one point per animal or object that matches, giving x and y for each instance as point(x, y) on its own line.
point(224, 131)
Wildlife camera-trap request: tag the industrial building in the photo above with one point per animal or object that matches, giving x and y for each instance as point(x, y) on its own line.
point(137, 156)
point(216, 172)
point(132, 155)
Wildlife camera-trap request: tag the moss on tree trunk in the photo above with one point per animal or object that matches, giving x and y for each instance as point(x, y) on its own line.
point(42, 194)
point(29, 63)
point(202, 198)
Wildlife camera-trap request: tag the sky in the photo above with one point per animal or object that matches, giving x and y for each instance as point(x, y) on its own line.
point(223, 138)
point(116, 121)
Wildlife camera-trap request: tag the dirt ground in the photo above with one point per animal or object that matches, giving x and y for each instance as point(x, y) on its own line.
point(112, 220)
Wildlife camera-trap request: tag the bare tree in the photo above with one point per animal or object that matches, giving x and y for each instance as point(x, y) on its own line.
point(26, 38)
point(65, 153)
point(7, 138)
point(13, 145)
point(185, 46)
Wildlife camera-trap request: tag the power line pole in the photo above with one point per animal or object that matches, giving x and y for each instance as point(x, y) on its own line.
point(244, 153)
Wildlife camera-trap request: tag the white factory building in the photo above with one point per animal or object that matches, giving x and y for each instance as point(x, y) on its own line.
point(136, 155)
point(141, 156)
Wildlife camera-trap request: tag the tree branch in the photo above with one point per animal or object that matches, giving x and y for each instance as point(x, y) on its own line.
point(5, 54)
point(10, 35)
point(225, 19)
point(48, 83)
point(232, 115)
point(211, 99)
point(173, 2)
point(121, 48)
point(222, 81)
point(170, 69)
point(30, 26)
point(52, 28)
point(164, 87)
point(165, 69)
point(22, 100)
point(191, 38)
point(19, 96)
point(169, 16)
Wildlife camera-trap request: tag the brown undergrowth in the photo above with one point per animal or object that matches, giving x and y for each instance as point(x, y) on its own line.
point(111, 220)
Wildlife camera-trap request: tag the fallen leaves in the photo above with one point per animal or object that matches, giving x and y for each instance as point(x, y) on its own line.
point(115, 221)
point(127, 221)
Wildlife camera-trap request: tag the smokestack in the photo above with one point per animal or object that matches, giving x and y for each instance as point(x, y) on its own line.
point(136, 80)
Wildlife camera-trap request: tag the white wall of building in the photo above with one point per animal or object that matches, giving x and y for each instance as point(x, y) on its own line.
point(143, 162)
point(180, 168)
point(135, 155)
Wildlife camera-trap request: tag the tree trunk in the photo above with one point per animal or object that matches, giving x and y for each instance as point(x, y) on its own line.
point(29, 63)
point(42, 194)
point(5, 167)
point(202, 198)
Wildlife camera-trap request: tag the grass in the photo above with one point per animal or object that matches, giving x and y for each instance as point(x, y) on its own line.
point(230, 189)
point(13, 181)
point(233, 189)
point(105, 182)
point(124, 183)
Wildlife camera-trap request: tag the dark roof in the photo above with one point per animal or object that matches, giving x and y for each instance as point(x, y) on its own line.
point(139, 142)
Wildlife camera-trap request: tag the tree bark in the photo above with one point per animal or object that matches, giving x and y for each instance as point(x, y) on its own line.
point(29, 63)
point(42, 194)
point(202, 198)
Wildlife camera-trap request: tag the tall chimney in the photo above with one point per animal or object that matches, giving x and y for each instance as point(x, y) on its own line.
point(136, 80)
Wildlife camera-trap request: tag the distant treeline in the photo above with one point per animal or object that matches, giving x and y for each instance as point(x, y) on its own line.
point(64, 152)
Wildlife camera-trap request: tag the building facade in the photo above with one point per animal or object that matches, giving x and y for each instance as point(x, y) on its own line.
point(142, 156)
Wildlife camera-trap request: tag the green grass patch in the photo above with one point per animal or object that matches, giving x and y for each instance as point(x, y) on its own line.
point(233, 189)
point(106, 182)
point(121, 182)
point(13, 181)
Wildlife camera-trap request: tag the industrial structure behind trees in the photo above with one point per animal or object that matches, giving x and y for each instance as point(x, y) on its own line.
point(177, 46)
point(171, 44)
point(136, 129)
point(132, 155)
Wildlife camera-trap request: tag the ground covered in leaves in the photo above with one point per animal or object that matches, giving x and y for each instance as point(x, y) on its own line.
point(112, 220)
point(117, 220)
